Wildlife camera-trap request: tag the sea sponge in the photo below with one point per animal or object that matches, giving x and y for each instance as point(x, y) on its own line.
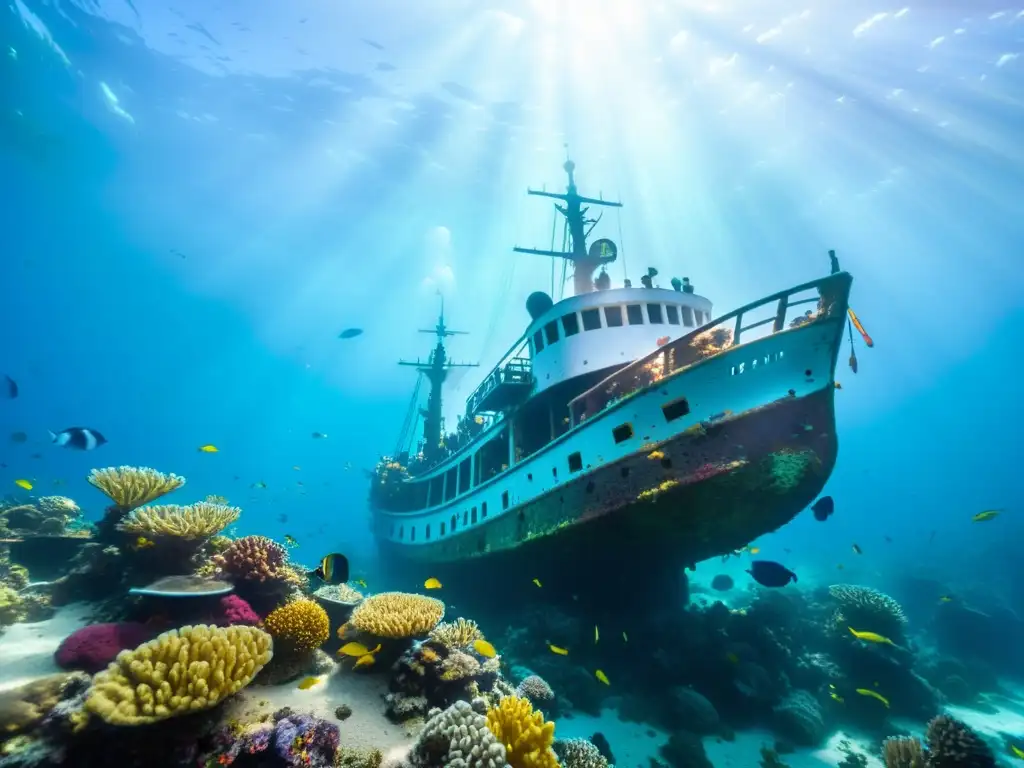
point(397, 615)
point(903, 752)
point(456, 634)
point(457, 737)
point(255, 558)
point(131, 487)
point(301, 625)
point(181, 671)
point(193, 522)
point(527, 738)
point(866, 609)
point(952, 744)
point(579, 753)
point(536, 689)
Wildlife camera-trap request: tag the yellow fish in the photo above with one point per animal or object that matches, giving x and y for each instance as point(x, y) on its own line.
point(601, 676)
point(431, 583)
point(624, 638)
point(945, 599)
point(873, 695)
point(537, 582)
point(754, 550)
point(988, 514)
point(208, 448)
point(290, 541)
point(356, 649)
point(484, 648)
point(560, 651)
point(143, 543)
point(361, 583)
point(655, 455)
point(870, 637)
point(1017, 751)
point(308, 682)
point(364, 661)
point(597, 634)
point(836, 697)
point(23, 484)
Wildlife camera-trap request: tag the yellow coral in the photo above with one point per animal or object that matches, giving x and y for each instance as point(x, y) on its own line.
point(181, 671)
point(397, 615)
point(456, 634)
point(527, 738)
point(131, 487)
point(196, 521)
point(301, 625)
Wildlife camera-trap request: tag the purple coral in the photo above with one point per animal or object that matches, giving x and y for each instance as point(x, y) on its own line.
point(92, 648)
point(293, 740)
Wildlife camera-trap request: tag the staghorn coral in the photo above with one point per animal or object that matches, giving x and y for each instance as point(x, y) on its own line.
point(193, 522)
point(397, 615)
point(578, 753)
point(867, 609)
point(255, 558)
point(184, 670)
point(527, 738)
point(536, 689)
point(457, 737)
point(456, 634)
point(131, 487)
point(301, 626)
point(953, 744)
point(901, 752)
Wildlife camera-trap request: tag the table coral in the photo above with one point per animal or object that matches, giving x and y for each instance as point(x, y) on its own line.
point(301, 625)
point(131, 487)
point(184, 670)
point(527, 738)
point(193, 522)
point(397, 615)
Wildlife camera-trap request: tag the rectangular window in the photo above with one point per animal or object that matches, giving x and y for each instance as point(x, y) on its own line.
point(635, 314)
point(412, 533)
point(699, 316)
point(622, 433)
point(687, 316)
point(613, 316)
point(436, 490)
point(483, 510)
point(442, 529)
point(570, 324)
point(672, 314)
point(654, 313)
point(473, 515)
point(551, 332)
point(426, 532)
point(504, 499)
point(591, 319)
point(464, 476)
point(675, 409)
point(538, 342)
point(575, 462)
point(449, 483)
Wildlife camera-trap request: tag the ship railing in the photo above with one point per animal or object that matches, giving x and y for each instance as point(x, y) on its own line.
point(518, 370)
point(749, 323)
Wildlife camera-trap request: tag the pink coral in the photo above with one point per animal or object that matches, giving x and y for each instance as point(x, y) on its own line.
point(92, 648)
point(232, 609)
point(254, 558)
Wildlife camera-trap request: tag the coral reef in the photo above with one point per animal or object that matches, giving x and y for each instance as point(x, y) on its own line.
point(301, 626)
point(457, 737)
point(131, 487)
point(23, 708)
point(197, 521)
point(867, 609)
point(899, 752)
point(799, 718)
point(289, 740)
point(92, 648)
point(952, 744)
point(456, 634)
point(180, 671)
point(578, 753)
point(256, 559)
point(685, 750)
point(397, 615)
point(536, 689)
point(523, 731)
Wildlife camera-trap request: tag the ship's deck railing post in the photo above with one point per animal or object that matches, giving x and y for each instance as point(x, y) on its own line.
point(739, 328)
point(780, 315)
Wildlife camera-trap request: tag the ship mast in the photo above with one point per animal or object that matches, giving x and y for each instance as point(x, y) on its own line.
point(584, 262)
point(436, 370)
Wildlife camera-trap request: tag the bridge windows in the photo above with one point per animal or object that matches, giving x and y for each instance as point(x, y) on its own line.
point(472, 516)
point(450, 478)
point(613, 316)
point(575, 462)
point(483, 510)
point(426, 532)
point(675, 409)
point(687, 316)
point(412, 533)
point(464, 475)
point(442, 528)
point(570, 324)
point(455, 522)
point(504, 499)
point(465, 518)
point(654, 314)
point(591, 319)
point(622, 433)
point(538, 342)
point(672, 314)
point(635, 314)
point(551, 332)
point(699, 316)
point(436, 490)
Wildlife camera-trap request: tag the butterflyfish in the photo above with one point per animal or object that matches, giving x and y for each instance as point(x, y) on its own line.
point(333, 569)
point(431, 583)
point(874, 695)
point(484, 648)
point(601, 676)
point(557, 650)
point(870, 637)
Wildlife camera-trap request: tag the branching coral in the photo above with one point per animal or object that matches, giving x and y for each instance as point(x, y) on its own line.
point(458, 737)
point(903, 753)
point(131, 487)
point(456, 634)
point(952, 744)
point(184, 670)
point(866, 609)
point(193, 522)
point(301, 625)
point(536, 689)
point(527, 738)
point(397, 615)
point(255, 558)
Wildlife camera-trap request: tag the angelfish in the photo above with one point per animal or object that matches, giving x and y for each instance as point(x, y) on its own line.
point(79, 438)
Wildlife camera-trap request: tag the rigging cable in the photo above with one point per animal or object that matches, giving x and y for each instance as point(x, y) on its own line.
point(554, 228)
point(622, 248)
point(408, 431)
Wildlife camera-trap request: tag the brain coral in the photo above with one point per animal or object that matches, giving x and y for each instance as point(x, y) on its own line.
point(527, 738)
point(397, 615)
point(184, 670)
point(301, 625)
point(536, 689)
point(867, 609)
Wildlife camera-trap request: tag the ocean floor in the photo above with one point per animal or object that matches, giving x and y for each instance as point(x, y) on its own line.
point(26, 650)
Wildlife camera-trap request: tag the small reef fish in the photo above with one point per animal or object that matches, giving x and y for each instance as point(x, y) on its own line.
point(768, 573)
point(364, 661)
point(732, 658)
point(870, 637)
point(319, 435)
point(143, 543)
point(537, 583)
point(350, 333)
point(10, 387)
point(208, 448)
point(432, 583)
point(1017, 751)
point(835, 697)
point(361, 583)
point(945, 599)
point(356, 649)
point(259, 485)
point(79, 438)
point(625, 637)
point(308, 682)
point(754, 550)
point(988, 514)
point(297, 468)
point(333, 569)
point(290, 541)
point(597, 634)
point(823, 508)
point(484, 648)
point(601, 676)
point(837, 385)
point(857, 550)
point(874, 695)
point(558, 651)
point(23, 484)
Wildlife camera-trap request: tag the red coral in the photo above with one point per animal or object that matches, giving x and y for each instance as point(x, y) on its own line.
point(92, 648)
point(234, 610)
point(254, 558)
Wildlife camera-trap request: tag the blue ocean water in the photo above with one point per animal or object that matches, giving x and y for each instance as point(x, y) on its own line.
point(197, 198)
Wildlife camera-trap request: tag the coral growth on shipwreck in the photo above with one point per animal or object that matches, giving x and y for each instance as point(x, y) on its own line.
point(157, 678)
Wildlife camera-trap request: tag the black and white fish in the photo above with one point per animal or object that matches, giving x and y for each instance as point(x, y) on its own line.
point(79, 438)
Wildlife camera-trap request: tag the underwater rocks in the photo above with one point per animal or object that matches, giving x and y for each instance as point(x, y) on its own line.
point(290, 740)
point(799, 719)
point(685, 750)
